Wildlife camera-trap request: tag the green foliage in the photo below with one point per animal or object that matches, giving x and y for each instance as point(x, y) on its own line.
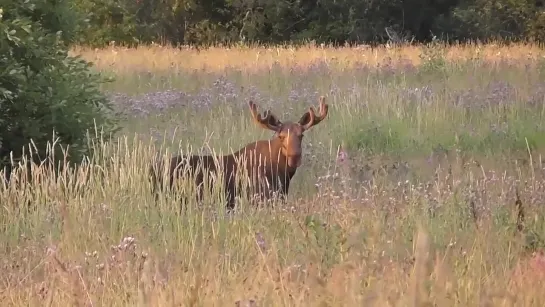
point(109, 21)
point(43, 90)
point(492, 20)
point(379, 137)
point(433, 58)
point(328, 240)
point(349, 21)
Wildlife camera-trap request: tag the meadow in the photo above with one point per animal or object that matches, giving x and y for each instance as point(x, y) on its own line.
point(423, 186)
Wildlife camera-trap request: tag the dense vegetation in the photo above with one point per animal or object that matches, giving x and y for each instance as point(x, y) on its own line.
point(46, 96)
point(326, 21)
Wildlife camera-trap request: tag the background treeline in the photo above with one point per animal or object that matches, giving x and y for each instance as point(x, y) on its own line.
point(199, 22)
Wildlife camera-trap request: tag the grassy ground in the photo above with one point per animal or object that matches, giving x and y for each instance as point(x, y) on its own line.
point(407, 195)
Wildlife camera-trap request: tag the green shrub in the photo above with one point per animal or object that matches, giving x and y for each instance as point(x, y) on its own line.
point(43, 90)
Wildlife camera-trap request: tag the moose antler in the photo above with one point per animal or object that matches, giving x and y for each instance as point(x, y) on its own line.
point(267, 121)
point(323, 111)
point(316, 119)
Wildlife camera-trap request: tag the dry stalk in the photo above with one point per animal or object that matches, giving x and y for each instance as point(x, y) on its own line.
point(519, 207)
point(145, 285)
point(419, 295)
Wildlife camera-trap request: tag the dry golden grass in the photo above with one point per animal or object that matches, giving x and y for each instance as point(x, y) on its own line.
point(158, 58)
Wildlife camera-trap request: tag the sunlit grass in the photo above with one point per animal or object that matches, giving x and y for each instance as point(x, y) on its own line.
point(407, 195)
point(154, 59)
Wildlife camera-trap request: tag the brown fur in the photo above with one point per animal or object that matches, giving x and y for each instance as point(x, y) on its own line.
point(270, 164)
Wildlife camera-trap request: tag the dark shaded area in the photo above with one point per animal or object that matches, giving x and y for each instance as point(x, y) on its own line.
point(204, 23)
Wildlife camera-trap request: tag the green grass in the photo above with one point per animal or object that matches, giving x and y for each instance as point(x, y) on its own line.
point(421, 213)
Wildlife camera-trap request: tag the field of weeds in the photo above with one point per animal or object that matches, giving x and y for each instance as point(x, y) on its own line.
point(423, 186)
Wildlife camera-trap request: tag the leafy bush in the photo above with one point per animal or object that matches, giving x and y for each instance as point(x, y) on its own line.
point(43, 90)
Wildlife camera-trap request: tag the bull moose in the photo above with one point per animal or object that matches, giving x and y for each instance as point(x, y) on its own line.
point(269, 164)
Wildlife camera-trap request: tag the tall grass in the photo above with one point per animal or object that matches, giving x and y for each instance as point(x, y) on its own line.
point(411, 192)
